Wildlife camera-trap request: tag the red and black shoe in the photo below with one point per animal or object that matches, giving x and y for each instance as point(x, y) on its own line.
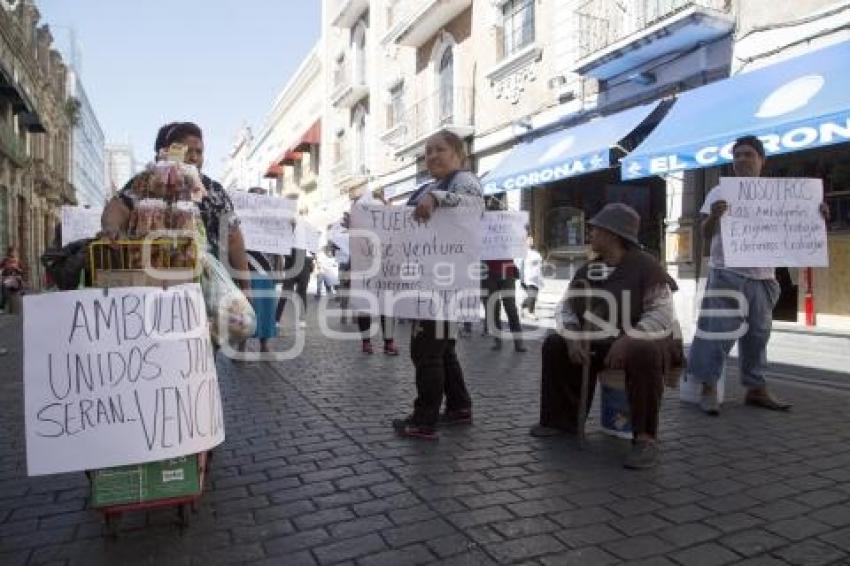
point(390, 348)
point(458, 417)
point(406, 427)
point(367, 347)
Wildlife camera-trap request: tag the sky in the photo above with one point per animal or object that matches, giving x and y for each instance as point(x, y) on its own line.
point(219, 63)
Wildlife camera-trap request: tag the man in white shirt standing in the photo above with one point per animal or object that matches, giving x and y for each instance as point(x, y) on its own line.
point(758, 285)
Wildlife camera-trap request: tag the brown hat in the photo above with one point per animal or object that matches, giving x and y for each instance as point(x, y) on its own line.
point(620, 219)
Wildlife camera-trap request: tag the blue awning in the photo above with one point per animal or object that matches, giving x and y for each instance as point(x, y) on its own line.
point(575, 151)
point(798, 104)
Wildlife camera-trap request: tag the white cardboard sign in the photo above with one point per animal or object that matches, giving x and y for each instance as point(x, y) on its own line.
point(307, 237)
point(338, 236)
point(504, 234)
point(79, 222)
point(266, 221)
point(118, 379)
point(420, 270)
point(772, 222)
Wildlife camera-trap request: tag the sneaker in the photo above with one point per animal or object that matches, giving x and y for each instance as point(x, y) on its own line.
point(390, 348)
point(519, 346)
point(406, 427)
point(540, 431)
point(708, 403)
point(643, 455)
point(302, 324)
point(367, 347)
point(458, 417)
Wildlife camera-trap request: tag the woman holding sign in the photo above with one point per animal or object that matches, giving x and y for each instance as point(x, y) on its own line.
point(432, 342)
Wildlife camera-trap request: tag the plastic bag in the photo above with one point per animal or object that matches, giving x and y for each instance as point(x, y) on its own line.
point(226, 304)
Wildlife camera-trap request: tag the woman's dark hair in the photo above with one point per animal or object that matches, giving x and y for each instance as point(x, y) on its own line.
point(453, 141)
point(176, 132)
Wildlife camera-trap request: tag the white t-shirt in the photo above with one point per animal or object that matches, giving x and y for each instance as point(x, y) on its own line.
point(716, 257)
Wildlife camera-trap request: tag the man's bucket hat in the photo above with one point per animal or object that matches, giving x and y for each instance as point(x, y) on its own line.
point(619, 218)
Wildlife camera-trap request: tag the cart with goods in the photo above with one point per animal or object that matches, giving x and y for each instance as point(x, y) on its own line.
point(164, 246)
point(164, 260)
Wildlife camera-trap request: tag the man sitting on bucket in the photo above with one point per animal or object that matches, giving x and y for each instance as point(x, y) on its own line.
point(618, 314)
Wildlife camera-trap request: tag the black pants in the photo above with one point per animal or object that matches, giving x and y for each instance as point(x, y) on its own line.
point(502, 291)
point(296, 281)
point(438, 372)
point(560, 392)
point(530, 300)
point(364, 323)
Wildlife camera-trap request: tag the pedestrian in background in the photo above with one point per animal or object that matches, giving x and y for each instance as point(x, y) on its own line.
point(13, 273)
point(531, 278)
point(263, 295)
point(297, 267)
point(327, 272)
point(500, 283)
point(432, 342)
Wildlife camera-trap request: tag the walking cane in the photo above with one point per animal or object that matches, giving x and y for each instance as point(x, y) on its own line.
point(585, 368)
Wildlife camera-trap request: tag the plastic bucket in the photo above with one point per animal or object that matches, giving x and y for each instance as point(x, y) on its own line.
point(615, 416)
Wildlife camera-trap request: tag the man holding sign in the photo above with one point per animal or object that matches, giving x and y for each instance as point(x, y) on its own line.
point(750, 230)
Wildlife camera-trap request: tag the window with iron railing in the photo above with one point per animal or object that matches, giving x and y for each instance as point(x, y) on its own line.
point(517, 25)
point(447, 91)
point(604, 22)
point(395, 109)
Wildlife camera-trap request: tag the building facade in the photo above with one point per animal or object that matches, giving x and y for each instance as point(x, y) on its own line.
point(554, 99)
point(35, 135)
point(120, 165)
point(89, 164)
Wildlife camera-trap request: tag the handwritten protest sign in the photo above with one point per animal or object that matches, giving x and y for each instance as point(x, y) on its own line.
point(422, 270)
point(266, 221)
point(338, 236)
point(307, 236)
point(504, 234)
point(121, 379)
point(772, 222)
point(79, 222)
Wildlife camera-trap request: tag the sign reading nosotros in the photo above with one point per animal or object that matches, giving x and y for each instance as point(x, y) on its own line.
point(266, 221)
point(504, 234)
point(79, 222)
point(772, 222)
point(118, 379)
point(420, 270)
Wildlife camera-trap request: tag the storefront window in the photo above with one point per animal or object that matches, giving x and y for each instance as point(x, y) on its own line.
point(565, 229)
point(830, 165)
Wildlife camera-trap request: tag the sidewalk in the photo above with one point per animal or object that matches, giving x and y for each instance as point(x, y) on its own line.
point(312, 474)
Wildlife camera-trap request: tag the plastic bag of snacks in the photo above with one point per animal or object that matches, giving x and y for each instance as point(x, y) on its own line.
point(225, 302)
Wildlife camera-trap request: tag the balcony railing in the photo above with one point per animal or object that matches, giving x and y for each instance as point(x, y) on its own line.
point(349, 86)
point(345, 13)
point(604, 22)
point(345, 172)
point(11, 145)
point(412, 22)
point(449, 109)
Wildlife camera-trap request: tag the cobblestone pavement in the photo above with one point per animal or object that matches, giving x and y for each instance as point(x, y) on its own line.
point(311, 473)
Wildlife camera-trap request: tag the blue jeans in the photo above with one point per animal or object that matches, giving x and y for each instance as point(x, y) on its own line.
point(750, 327)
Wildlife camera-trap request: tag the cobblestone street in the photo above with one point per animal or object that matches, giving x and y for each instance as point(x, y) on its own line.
point(311, 473)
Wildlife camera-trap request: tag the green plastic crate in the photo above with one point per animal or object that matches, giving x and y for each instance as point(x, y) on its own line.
point(166, 479)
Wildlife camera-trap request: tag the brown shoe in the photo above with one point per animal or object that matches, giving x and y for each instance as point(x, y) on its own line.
point(762, 398)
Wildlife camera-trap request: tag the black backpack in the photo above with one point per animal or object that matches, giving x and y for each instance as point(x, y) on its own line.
point(67, 265)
